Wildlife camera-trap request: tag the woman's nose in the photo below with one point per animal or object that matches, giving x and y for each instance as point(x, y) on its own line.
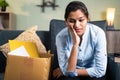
point(77, 24)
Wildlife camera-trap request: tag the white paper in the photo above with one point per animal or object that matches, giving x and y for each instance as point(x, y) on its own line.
point(21, 51)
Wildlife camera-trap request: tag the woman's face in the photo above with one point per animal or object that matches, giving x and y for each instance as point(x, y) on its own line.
point(77, 20)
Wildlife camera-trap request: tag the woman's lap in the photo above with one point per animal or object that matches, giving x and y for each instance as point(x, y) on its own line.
point(79, 78)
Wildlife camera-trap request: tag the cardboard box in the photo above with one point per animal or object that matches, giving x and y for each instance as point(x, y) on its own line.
point(27, 68)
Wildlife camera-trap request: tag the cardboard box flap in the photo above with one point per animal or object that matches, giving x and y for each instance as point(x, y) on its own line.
point(46, 55)
point(27, 68)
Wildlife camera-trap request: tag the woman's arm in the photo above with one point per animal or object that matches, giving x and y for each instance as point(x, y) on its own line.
point(82, 72)
point(100, 56)
point(72, 61)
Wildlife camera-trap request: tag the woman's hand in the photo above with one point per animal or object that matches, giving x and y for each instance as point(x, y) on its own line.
point(57, 73)
point(76, 38)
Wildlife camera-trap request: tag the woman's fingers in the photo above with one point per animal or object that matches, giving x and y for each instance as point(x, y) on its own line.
point(57, 73)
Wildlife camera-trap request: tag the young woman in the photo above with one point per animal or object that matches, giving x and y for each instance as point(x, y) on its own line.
point(81, 47)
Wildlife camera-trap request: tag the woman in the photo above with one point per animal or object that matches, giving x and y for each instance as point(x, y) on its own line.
point(81, 47)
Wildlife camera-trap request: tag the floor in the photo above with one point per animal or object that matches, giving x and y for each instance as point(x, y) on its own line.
point(1, 76)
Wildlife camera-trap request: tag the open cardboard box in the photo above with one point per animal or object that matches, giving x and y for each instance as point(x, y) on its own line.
point(28, 68)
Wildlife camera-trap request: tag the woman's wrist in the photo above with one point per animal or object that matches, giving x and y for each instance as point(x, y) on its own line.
point(72, 74)
point(76, 45)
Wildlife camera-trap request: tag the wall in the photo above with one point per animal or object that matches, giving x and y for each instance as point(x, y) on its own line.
point(28, 14)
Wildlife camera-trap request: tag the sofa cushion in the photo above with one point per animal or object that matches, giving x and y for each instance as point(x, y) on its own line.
point(56, 26)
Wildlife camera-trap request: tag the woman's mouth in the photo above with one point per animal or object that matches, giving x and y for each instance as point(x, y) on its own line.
point(79, 30)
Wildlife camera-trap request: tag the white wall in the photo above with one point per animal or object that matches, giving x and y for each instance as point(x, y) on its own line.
point(28, 14)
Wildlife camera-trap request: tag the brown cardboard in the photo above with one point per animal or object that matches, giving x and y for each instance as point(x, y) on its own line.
point(27, 68)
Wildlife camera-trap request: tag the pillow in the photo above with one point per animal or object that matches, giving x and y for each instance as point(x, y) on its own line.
point(27, 35)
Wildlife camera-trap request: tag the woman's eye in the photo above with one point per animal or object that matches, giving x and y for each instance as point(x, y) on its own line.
point(81, 20)
point(72, 21)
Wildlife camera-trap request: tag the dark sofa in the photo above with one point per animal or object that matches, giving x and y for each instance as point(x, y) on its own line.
point(47, 37)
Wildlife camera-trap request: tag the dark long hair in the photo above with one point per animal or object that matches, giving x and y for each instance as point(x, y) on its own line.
point(75, 5)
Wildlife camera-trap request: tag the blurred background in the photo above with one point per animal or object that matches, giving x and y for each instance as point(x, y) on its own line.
point(29, 13)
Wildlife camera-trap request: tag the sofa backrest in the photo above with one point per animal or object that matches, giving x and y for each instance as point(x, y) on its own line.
point(57, 25)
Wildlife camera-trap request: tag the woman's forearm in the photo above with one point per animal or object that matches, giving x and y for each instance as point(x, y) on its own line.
point(72, 61)
point(82, 72)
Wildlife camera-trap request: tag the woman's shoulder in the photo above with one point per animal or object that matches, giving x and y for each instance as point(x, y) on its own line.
point(95, 31)
point(64, 31)
point(94, 28)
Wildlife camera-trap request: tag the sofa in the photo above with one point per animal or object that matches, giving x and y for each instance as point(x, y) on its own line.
point(47, 38)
